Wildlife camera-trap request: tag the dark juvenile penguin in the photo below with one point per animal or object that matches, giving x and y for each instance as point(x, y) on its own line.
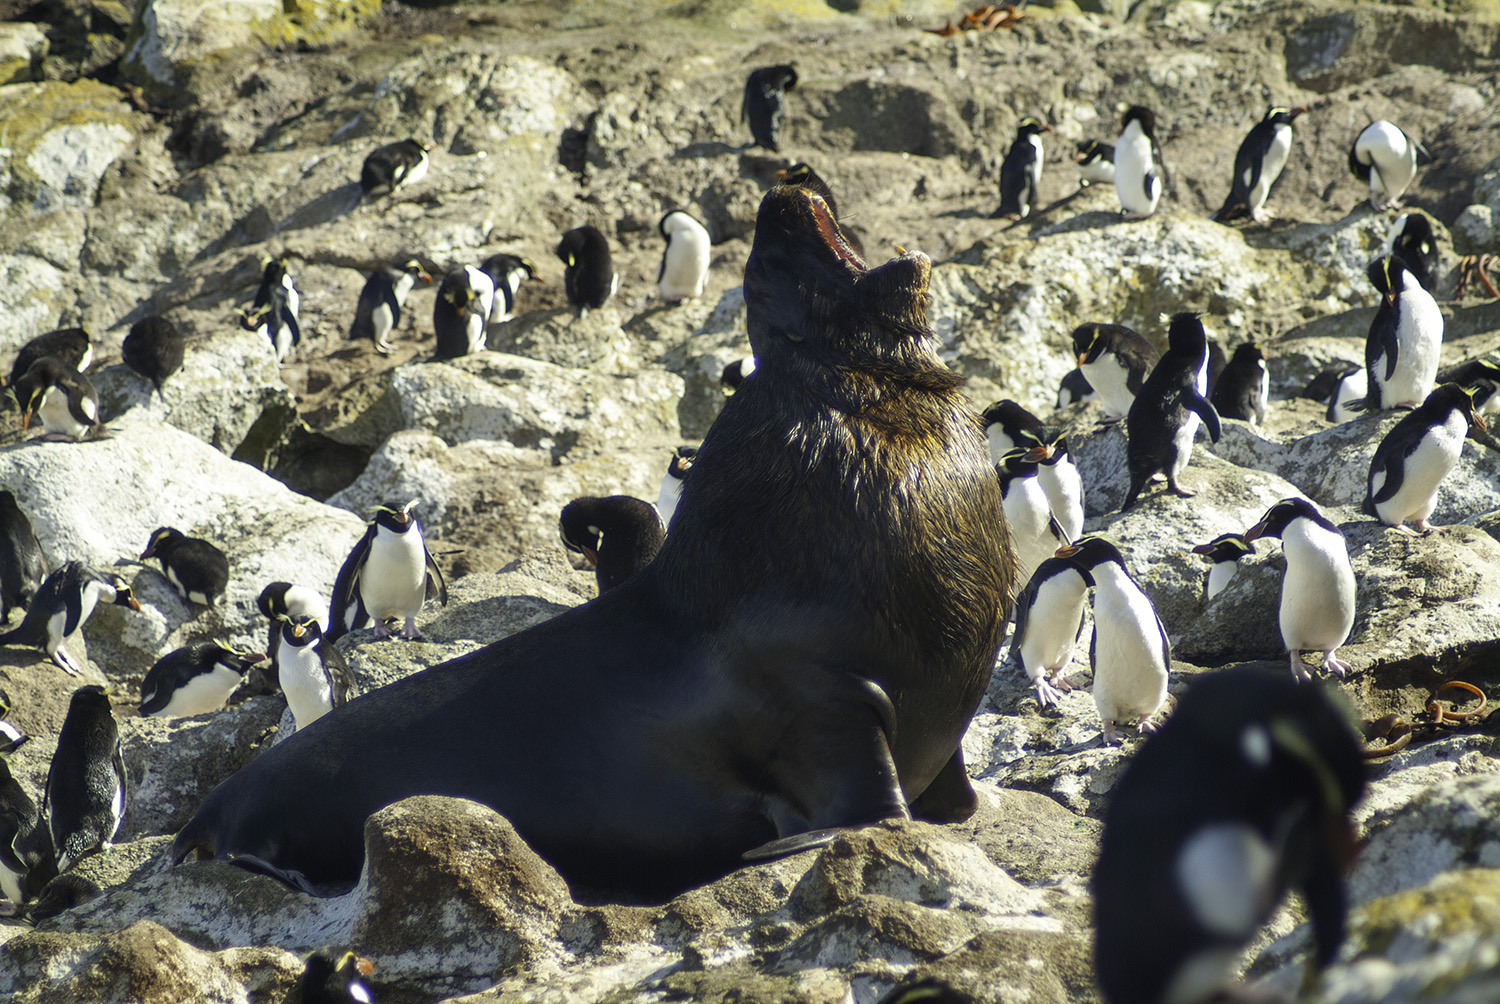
point(678, 467)
point(389, 574)
point(726, 714)
point(273, 314)
point(378, 312)
point(1059, 479)
point(1138, 175)
point(1035, 532)
point(1416, 455)
point(193, 680)
point(198, 569)
point(1244, 386)
point(314, 676)
point(618, 535)
point(1244, 793)
point(589, 275)
point(154, 349)
point(461, 312)
point(282, 599)
point(1021, 170)
point(70, 345)
point(1258, 165)
point(334, 977)
point(1317, 591)
point(64, 399)
point(1411, 239)
point(1115, 360)
point(1401, 351)
point(1074, 388)
point(1049, 622)
point(684, 261)
point(393, 166)
point(764, 90)
point(1096, 163)
point(1008, 426)
point(1223, 555)
point(1164, 417)
point(1386, 158)
point(26, 858)
point(22, 566)
point(61, 606)
point(507, 272)
point(86, 784)
point(1482, 376)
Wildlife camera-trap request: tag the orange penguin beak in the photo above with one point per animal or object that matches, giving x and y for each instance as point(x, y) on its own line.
point(1082, 358)
point(1037, 454)
point(1477, 421)
point(1067, 551)
point(25, 419)
point(1255, 531)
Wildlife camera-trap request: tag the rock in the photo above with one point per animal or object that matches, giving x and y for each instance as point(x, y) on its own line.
point(61, 139)
point(23, 46)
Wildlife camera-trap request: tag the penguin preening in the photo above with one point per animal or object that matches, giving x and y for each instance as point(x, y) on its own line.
point(1401, 350)
point(1138, 175)
point(589, 276)
point(1035, 532)
point(684, 261)
point(1223, 555)
point(86, 784)
point(198, 569)
point(461, 312)
point(62, 397)
point(1258, 165)
point(283, 599)
point(1244, 793)
point(273, 314)
point(1096, 163)
point(1386, 158)
point(507, 272)
point(1416, 455)
point(1410, 237)
point(764, 90)
point(1164, 417)
point(193, 680)
point(1021, 170)
point(388, 574)
point(61, 606)
point(71, 345)
point(1116, 361)
point(22, 565)
point(670, 492)
point(378, 312)
point(1074, 388)
point(331, 977)
point(393, 166)
point(314, 676)
point(154, 349)
point(1347, 391)
point(1049, 622)
point(1244, 386)
point(618, 535)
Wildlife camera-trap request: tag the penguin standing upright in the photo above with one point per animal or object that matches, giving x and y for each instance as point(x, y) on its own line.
point(314, 676)
point(589, 275)
point(1417, 454)
point(1164, 417)
point(1401, 351)
point(764, 90)
point(282, 599)
point(1245, 792)
point(1223, 555)
point(1034, 532)
point(618, 535)
point(1008, 426)
point(1317, 591)
point(1138, 177)
point(71, 345)
point(461, 312)
point(1386, 158)
point(26, 857)
point(684, 261)
point(378, 312)
point(1096, 163)
point(154, 349)
point(22, 566)
point(1244, 386)
point(273, 314)
point(1130, 652)
point(507, 272)
point(1258, 165)
point(1021, 170)
point(1116, 361)
point(1059, 478)
point(387, 575)
point(86, 783)
point(331, 977)
point(62, 605)
point(671, 482)
point(392, 166)
point(63, 397)
point(1411, 239)
point(1049, 621)
point(193, 680)
point(198, 569)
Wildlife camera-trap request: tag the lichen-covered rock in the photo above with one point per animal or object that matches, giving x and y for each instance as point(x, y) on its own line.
point(60, 140)
point(23, 45)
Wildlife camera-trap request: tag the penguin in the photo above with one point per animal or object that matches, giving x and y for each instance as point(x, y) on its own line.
point(802, 175)
point(684, 261)
point(1116, 361)
point(1008, 426)
point(736, 373)
point(1401, 351)
point(1021, 170)
point(1096, 163)
point(1482, 376)
point(1244, 793)
point(1049, 622)
point(1164, 417)
point(764, 90)
point(11, 738)
point(26, 858)
point(332, 977)
point(378, 312)
point(22, 566)
point(1416, 455)
point(1350, 389)
point(71, 345)
point(84, 802)
point(507, 272)
point(154, 349)
point(65, 400)
point(194, 680)
point(1074, 388)
point(61, 606)
point(589, 276)
point(1129, 652)
point(273, 314)
point(1411, 239)
point(282, 599)
point(1243, 388)
point(618, 535)
point(393, 166)
point(198, 569)
point(314, 676)
point(1138, 178)
point(461, 312)
point(1258, 165)
point(1060, 481)
point(671, 483)
point(1317, 591)
point(1223, 555)
point(1386, 158)
point(1035, 532)
point(388, 575)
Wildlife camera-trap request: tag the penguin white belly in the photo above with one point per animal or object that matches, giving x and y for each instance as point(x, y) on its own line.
point(10, 884)
point(1419, 337)
point(667, 498)
point(1000, 443)
point(1098, 171)
point(203, 693)
point(1392, 160)
point(1265, 395)
point(1029, 516)
point(1271, 167)
point(57, 418)
point(282, 340)
point(305, 683)
point(1109, 376)
point(382, 320)
point(393, 581)
point(1182, 442)
point(1219, 575)
point(686, 267)
point(1422, 472)
point(1052, 625)
point(474, 332)
point(1130, 678)
point(1317, 593)
point(1035, 172)
point(1353, 387)
point(1136, 182)
point(1064, 490)
point(414, 174)
point(116, 812)
point(1226, 873)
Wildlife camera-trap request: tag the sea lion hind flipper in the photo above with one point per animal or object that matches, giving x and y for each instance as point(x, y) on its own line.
point(794, 844)
point(289, 877)
point(950, 798)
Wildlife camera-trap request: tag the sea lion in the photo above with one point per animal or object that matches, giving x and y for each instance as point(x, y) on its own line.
point(804, 653)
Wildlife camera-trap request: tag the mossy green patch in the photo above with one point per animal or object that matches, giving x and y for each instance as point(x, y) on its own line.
point(1454, 903)
point(315, 22)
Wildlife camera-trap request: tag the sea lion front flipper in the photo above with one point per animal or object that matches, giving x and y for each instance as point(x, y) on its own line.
point(1199, 405)
point(950, 797)
point(795, 844)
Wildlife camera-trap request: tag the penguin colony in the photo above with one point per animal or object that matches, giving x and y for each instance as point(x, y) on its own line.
point(1233, 733)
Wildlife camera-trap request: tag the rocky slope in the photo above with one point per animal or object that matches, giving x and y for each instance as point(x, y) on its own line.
point(155, 156)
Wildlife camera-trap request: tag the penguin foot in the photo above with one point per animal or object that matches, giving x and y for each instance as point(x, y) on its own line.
point(1148, 725)
point(9, 909)
point(1300, 672)
point(409, 631)
point(65, 662)
point(1047, 693)
point(381, 631)
point(1404, 529)
point(1181, 492)
point(1262, 215)
point(1424, 527)
point(1111, 734)
point(1126, 214)
point(1335, 665)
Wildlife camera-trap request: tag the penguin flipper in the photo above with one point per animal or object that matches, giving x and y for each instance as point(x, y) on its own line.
point(1323, 890)
point(435, 575)
point(72, 609)
point(346, 608)
point(1199, 405)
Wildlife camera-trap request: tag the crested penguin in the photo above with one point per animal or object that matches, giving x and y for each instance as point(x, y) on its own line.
point(618, 535)
point(1350, 388)
point(1116, 361)
point(1049, 622)
point(764, 90)
point(71, 345)
point(684, 261)
point(1074, 388)
point(22, 566)
point(1164, 417)
point(196, 568)
point(507, 272)
point(1008, 426)
point(1223, 555)
point(1417, 454)
point(154, 349)
point(282, 599)
point(1096, 163)
point(1482, 376)
point(1401, 350)
point(388, 575)
point(378, 312)
point(61, 606)
point(332, 977)
point(1386, 158)
point(589, 275)
point(1130, 652)
point(1317, 591)
point(1410, 238)
point(1258, 165)
point(670, 492)
point(314, 676)
point(26, 858)
point(1138, 177)
point(64, 399)
point(1245, 792)
point(273, 314)
point(1021, 170)
point(1035, 532)
point(1059, 479)
point(84, 802)
point(193, 680)
point(1244, 386)
point(393, 166)
point(461, 312)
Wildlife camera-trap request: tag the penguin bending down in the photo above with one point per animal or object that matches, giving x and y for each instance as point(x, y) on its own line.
point(1350, 390)
point(314, 676)
point(1482, 376)
point(684, 261)
point(507, 272)
point(1138, 177)
point(1386, 158)
point(1317, 591)
point(22, 566)
point(1096, 163)
point(1411, 239)
point(589, 275)
point(193, 680)
point(1035, 532)
point(1008, 426)
point(678, 467)
point(735, 373)
point(1049, 622)
point(198, 569)
point(1258, 165)
point(71, 345)
point(393, 166)
point(378, 312)
point(1164, 417)
point(1417, 454)
point(1059, 479)
point(273, 315)
point(618, 535)
point(154, 349)
point(62, 605)
point(86, 784)
point(1243, 388)
point(1401, 351)
point(280, 600)
point(389, 574)
point(764, 90)
point(1116, 361)
point(1223, 555)
point(63, 397)
point(1074, 388)
point(1244, 793)
point(27, 861)
point(1021, 170)
point(461, 312)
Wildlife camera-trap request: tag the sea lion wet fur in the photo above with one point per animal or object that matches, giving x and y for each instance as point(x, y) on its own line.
point(805, 652)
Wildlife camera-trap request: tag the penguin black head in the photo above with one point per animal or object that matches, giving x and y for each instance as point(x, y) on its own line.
point(1249, 352)
point(1048, 453)
point(682, 461)
point(123, 596)
point(1090, 552)
point(1016, 463)
point(1387, 275)
point(1185, 333)
point(1090, 150)
point(331, 977)
point(1018, 423)
point(1283, 116)
point(44, 374)
point(414, 268)
point(272, 600)
point(1224, 547)
point(1280, 516)
point(1143, 115)
point(163, 537)
point(1449, 397)
point(90, 698)
point(300, 631)
point(395, 516)
point(1031, 127)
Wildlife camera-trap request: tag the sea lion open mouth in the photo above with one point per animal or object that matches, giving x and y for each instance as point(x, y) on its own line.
point(833, 236)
